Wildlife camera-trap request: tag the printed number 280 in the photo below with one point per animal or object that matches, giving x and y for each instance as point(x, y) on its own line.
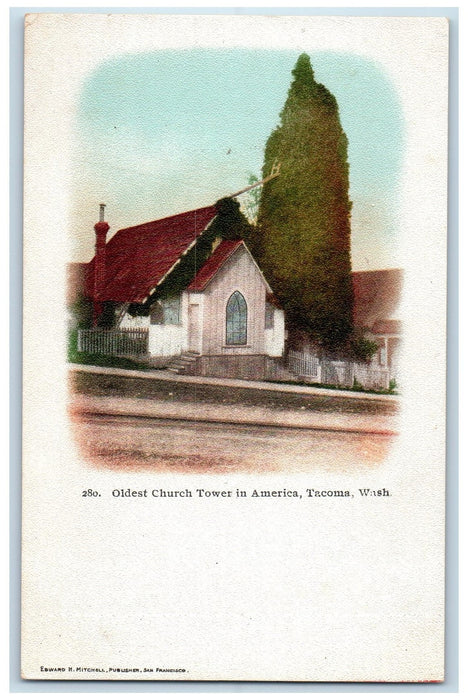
point(90, 493)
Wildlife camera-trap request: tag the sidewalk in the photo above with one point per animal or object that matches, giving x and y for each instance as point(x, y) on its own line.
point(163, 375)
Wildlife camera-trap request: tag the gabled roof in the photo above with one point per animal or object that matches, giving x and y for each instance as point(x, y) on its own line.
point(214, 263)
point(376, 296)
point(138, 258)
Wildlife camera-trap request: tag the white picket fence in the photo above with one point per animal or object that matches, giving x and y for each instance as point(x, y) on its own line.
point(337, 372)
point(305, 365)
point(124, 342)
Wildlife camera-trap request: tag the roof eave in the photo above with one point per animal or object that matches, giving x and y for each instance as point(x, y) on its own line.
point(222, 264)
point(197, 237)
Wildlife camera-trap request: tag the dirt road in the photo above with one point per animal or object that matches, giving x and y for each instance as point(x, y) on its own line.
point(145, 443)
point(132, 423)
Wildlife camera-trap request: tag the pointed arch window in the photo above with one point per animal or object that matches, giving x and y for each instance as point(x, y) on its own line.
point(236, 320)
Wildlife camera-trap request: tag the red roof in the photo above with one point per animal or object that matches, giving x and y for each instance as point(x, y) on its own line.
point(139, 257)
point(206, 273)
point(386, 326)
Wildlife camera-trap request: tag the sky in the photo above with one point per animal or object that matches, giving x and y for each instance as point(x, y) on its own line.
point(162, 132)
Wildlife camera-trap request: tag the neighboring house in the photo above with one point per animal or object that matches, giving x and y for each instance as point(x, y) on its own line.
point(376, 300)
point(193, 283)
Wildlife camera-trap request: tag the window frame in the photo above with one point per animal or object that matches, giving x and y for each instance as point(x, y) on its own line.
point(243, 313)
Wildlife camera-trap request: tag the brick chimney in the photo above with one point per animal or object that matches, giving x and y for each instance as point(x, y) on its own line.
point(101, 228)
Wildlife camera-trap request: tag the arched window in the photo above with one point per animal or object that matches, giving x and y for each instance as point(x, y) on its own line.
point(236, 320)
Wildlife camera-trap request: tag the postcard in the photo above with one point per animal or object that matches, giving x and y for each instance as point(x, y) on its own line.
point(234, 347)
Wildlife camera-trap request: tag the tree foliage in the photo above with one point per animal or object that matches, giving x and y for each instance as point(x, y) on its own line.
point(81, 311)
point(362, 349)
point(251, 200)
point(303, 239)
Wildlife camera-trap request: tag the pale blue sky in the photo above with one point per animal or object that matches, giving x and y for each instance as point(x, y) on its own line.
point(163, 132)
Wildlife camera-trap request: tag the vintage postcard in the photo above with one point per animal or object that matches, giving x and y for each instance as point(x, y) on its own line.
point(234, 347)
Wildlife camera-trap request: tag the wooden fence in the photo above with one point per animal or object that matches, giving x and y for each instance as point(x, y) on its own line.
point(125, 342)
point(337, 372)
point(304, 365)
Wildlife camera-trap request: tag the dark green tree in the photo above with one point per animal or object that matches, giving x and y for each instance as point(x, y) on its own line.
point(303, 241)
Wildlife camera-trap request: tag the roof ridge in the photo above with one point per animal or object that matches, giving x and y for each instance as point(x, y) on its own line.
point(165, 218)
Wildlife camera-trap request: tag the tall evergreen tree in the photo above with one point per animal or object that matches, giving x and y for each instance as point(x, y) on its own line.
point(303, 241)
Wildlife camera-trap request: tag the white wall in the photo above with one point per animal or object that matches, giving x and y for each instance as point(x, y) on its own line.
point(134, 321)
point(167, 340)
point(274, 337)
point(164, 340)
point(238, 273)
